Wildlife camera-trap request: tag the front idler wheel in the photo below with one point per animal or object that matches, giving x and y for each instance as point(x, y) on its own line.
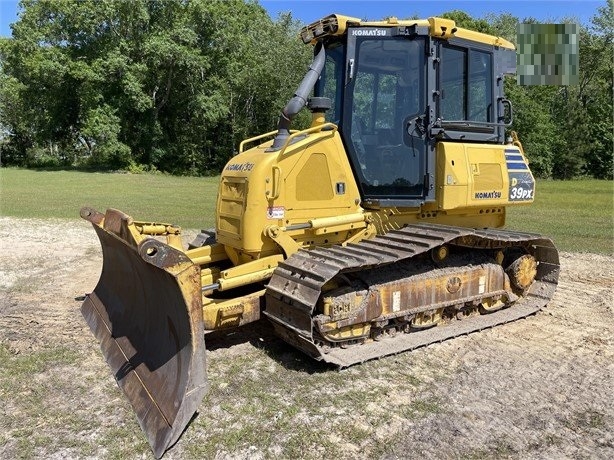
point(522, 272)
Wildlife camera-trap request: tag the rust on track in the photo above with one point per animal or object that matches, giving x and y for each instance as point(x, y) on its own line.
point(298, 284)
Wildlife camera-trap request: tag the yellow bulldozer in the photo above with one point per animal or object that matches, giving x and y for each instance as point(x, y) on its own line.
point(374, 231)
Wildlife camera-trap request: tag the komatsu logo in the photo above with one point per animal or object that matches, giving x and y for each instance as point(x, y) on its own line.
point(487, 195)
point(370, 33)
point(240, 167)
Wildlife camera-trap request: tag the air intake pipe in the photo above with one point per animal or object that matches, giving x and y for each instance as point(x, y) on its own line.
point(299, 100)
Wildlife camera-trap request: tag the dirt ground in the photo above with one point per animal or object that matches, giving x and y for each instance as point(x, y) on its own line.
point(542, 387)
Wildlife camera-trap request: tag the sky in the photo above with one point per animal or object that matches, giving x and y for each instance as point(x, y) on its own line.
point(310, 10)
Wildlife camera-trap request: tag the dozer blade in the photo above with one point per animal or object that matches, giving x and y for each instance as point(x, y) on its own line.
point(146, 311)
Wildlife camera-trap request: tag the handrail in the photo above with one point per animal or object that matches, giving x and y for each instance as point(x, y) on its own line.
point(252, 139)
point(276, 186)
point(256, 138)
point(314, 129)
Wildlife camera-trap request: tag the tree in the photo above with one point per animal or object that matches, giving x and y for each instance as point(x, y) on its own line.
point(567, 130)
point(176, 85)
point(598, 98)
point(173, 85)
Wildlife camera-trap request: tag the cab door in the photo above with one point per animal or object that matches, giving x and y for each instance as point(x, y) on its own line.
point(384, 117)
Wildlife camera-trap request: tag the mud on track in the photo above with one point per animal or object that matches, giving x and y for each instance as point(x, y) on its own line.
point(538, 388)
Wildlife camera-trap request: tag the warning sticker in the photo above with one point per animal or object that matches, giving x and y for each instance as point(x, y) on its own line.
point(275, 212)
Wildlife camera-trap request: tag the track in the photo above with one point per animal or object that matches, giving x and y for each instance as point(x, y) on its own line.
point(297, 284)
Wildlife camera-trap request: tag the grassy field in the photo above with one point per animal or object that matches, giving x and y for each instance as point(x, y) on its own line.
point(185, 201)
point(577, 215)
point(482, 396)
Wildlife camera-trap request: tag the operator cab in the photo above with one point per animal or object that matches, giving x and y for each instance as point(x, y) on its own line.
point(384, 93)
point(378, 79)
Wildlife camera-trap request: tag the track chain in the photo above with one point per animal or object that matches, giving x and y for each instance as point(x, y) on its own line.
point(297, 284)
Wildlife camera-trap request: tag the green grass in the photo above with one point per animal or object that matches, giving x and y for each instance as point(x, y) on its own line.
point(577, 215)
point(27, 383)
point(44, 393)
point(259, 401)
point(185, 201)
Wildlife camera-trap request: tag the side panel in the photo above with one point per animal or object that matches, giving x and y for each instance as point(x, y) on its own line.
point(317, 182)
point(309, 179)
point(473, 175)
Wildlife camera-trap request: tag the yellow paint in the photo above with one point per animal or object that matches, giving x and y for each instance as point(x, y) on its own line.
point(355, 331)
point(442, 28)
point(247, 204)
point(271, 204)
point(438, 27)
point(249, 272)
point(307, 188)
point(227, 313)
point(466, 169)
point(207, 254)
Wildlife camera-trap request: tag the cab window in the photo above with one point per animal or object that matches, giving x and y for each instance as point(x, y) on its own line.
point(465, 83)
point(386, 90)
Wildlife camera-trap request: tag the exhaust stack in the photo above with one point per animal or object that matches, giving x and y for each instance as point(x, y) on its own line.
point(299, 100)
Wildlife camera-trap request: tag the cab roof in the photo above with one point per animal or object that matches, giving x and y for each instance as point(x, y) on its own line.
point(336, 24)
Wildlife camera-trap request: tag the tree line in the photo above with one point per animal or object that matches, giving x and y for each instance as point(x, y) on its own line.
point(175, 85)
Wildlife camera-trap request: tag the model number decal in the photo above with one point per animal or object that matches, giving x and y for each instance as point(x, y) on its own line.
point(519, 193)
point(522, 186)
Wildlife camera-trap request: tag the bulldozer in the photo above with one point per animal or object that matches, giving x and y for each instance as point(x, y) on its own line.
point(376, 230)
